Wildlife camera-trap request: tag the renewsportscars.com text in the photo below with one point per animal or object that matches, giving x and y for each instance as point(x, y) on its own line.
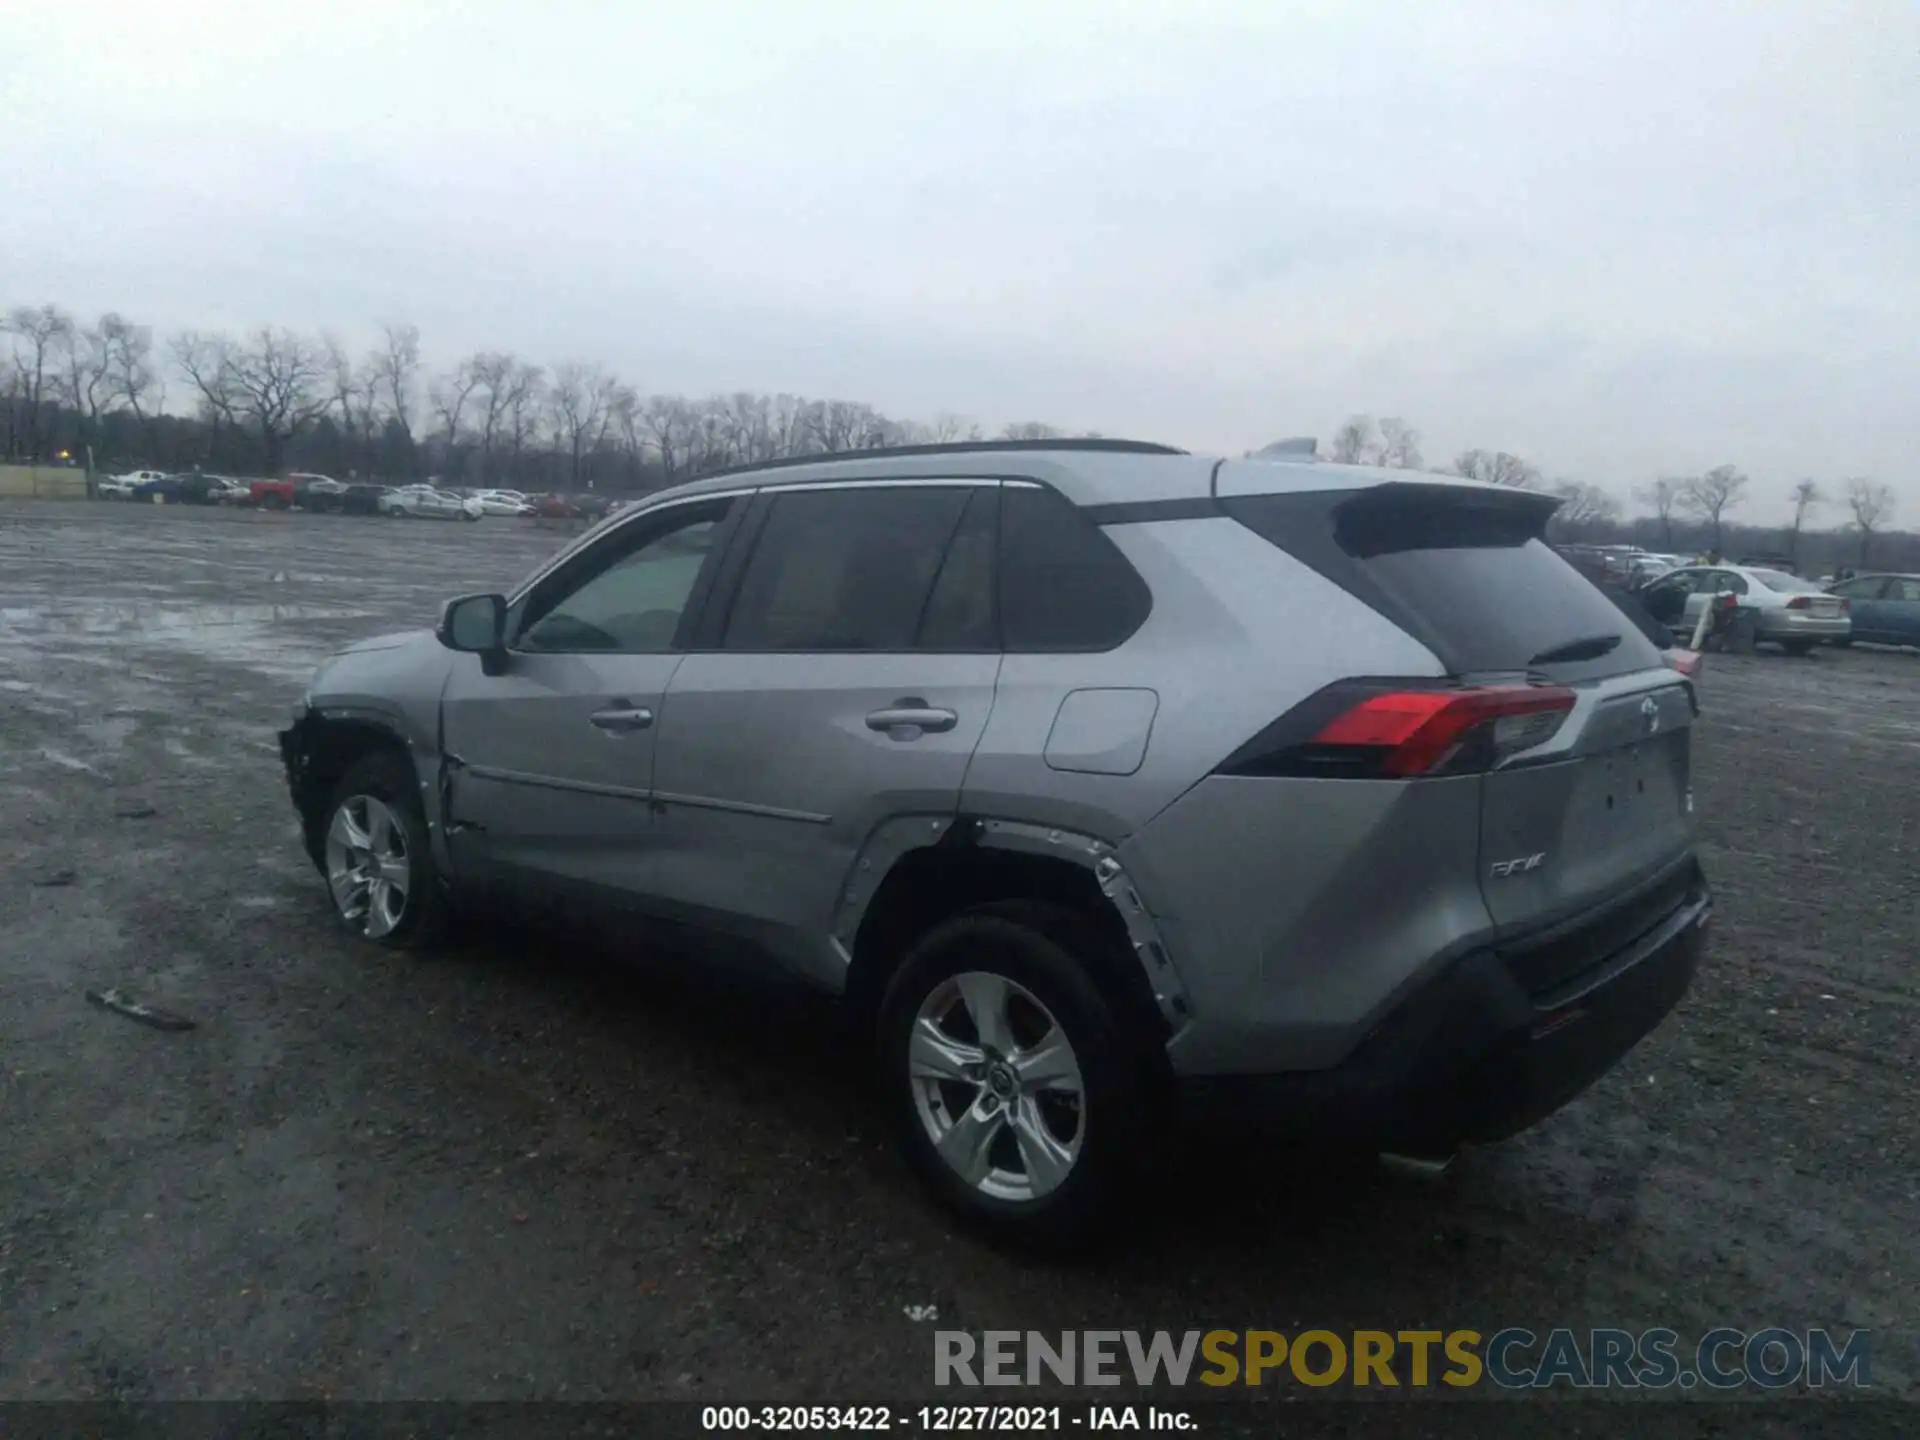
point(1513, 1358)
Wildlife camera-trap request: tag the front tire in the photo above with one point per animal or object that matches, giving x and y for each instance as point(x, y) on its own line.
point(378, 858)
point(1008, 1076)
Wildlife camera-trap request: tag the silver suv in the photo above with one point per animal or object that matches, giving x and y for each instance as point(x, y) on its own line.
point(1100, 779)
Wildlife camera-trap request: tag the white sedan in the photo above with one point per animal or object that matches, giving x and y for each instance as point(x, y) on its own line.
point(503, 502)
point(423, 502)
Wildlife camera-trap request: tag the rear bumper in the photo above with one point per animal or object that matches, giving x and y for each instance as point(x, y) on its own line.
point(1472, 1057)
point(1791, 625)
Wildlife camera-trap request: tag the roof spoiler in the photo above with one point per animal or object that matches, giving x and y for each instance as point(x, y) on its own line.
point(1302, 448)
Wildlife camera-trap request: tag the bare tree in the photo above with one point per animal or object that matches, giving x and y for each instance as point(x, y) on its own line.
point(40, 333)
point(207, 362)
point(394, 369)
point(131, 374)
point(83, 384)
point(279, 380)
point(526, 394)
point(834, 427)
point(1711, 495)
point(666, 422)
point(581, 398)
point(1806, 496)
point(946, 428)
point(1583, 507)
point(1872, 506)
point(1399, 447)
point(1661, 496)
point(503, 382)
point(1496, 467)
point(448, 395)
point(1030, 430)
point(1353, 442)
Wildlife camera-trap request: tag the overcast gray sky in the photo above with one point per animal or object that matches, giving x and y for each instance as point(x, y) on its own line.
point(1618, 238)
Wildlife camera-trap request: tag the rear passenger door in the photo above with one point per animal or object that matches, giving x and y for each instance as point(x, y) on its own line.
point(843, 676)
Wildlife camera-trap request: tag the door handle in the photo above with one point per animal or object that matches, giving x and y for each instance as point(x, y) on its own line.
point(621, 717)
point(912, 713)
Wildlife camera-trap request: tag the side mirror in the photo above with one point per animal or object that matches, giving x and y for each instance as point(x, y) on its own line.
point(476, 625)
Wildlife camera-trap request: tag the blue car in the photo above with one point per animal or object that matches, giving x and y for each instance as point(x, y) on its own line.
point(1886, 608)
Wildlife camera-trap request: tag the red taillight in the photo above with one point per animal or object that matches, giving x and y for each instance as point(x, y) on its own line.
point(1800, 602)
point(1846, 605)
point(1415, 732)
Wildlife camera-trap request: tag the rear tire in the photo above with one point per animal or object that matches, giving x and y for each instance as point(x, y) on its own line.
point(377, 856)
point(1797, 647)
point(1009, 1078)
point(1842, 643)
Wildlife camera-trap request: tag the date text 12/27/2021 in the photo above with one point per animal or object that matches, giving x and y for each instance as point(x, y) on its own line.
point(944, 1419)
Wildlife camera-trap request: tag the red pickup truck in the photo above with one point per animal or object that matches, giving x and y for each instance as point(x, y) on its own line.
point(271, 494)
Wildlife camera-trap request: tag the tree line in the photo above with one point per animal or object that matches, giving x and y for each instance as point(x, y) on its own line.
point(1692, 512)
point(275, 399)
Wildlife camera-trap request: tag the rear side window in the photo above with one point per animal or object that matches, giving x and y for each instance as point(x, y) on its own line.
point(1064, 586)
point(848, 569)
point(1465, 572)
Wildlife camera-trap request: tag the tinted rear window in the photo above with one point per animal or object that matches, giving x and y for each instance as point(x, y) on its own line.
point(1464, 572)
point(1788, 584)
point(1064, 586)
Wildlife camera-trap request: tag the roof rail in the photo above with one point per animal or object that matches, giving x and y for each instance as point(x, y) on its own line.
point(957, 447)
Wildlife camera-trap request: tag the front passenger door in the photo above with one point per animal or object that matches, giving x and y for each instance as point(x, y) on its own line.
point(553, 758)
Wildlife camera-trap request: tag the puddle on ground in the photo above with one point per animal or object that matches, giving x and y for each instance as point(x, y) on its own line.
point(109, 732)
point(259, 637)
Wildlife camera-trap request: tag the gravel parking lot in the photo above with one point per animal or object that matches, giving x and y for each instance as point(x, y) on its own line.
point(526, 1169)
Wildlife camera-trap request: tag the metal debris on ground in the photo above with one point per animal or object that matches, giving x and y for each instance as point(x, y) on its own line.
point(52, 878)
point(135, 810)
point(134, 1010)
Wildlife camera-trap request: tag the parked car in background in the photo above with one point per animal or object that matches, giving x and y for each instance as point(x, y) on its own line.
point(364, 499)
point(502, 502)
point(122, 487)
point(555, 507)
point(1787, 611)
point(1006, 747)
point(423, 502)
point(316, 492)
point(190, 488)
point(1885, 608)
point(270, 494)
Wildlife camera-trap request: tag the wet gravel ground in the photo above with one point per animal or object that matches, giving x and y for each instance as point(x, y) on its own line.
point(526, 1169)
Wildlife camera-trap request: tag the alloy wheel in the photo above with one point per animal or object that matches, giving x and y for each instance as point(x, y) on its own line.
point(997, 1086)
point(368, 867)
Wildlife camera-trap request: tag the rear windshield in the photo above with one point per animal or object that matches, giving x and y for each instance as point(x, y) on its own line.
point(1780, 580)
point(1464, 572)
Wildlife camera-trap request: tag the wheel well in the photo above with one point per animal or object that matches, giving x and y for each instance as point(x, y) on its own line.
point(929, 885)
point(330, 747)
